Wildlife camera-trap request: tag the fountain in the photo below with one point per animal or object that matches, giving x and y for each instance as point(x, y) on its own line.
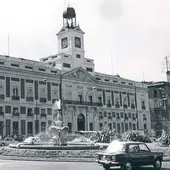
point(58, 132)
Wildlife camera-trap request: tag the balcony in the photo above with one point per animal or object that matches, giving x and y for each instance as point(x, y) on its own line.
point(118, 117)
point(133, 118)
point(100, 117)
point(15, 113)
point(2, 96)
point(132, 106)
point(117, 105)
point(43, 115)
point(30, 114)
point(15, 97)
point(125, 106)
point(1, 113)
point(145, 119)
point(126, 118)
point(29, 99)
point(143, 107)
point(43, 100)
point(81, 103)
point(109, 117)
point(108, 105)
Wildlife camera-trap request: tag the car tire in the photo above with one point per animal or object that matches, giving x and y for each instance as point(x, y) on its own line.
point(127, 166)
point(158, 164)
point(106, 167)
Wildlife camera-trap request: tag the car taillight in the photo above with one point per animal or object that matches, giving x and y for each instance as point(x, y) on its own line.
point(113, 158)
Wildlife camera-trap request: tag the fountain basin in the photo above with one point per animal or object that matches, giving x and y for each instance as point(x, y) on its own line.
point(53, 147)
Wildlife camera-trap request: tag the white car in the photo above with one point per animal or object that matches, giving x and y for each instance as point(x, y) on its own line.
point(80, 141)
point(29, 141)
point(7, 141)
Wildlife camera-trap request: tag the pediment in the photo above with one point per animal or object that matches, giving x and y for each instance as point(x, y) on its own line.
point(79, 74)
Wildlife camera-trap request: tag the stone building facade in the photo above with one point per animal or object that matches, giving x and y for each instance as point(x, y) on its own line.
point(90, 100)
point(159, 100)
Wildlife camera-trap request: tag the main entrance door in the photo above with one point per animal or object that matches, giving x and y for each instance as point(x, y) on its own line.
point(80, 122)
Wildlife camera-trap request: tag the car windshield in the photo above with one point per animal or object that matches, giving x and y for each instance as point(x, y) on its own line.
point(116, 146)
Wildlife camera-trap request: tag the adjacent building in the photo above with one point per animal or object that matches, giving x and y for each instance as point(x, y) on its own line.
point(90, 100)
point(159, 102)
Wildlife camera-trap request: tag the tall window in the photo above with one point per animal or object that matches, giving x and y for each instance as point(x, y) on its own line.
point(80, 98)
point(99, 99)
point(90, 99)
point(15, 91)
point(155, 94)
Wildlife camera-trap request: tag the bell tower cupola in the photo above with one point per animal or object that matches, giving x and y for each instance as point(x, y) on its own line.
point(69, 18)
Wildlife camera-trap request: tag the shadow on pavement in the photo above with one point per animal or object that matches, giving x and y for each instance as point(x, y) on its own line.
point(142, 168)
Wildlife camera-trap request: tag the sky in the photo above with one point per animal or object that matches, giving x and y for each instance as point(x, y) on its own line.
point(126, 37)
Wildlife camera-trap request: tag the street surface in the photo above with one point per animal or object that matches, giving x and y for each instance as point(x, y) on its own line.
point(35, 165)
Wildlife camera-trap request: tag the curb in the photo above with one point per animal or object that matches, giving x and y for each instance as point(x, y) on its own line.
point(67, 159)
point(88, 160)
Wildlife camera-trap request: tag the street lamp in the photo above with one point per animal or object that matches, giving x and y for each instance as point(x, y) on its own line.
point(87, 107)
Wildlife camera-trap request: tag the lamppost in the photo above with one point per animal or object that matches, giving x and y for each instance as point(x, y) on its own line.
point(87, 107)
point(61, 98)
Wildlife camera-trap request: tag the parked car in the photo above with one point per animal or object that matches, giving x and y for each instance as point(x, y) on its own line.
point(6, 141)
point(29, 141)
point(80, 141)
point(128, 155)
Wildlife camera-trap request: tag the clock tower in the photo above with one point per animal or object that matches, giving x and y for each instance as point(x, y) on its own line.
point(71, 38)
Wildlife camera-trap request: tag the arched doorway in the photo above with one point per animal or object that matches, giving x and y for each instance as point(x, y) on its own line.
point(80, 122)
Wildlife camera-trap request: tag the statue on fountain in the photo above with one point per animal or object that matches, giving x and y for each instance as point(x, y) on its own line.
point(58, 131)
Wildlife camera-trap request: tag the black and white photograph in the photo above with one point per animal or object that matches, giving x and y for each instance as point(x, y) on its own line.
point(84, 84)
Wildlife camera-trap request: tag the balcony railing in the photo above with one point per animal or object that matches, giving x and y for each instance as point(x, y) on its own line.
point(82, 103)
point(143, 107)
point(1, 113)
point(2, 96)
point(118, 117)
point(15, 97)
point(29, 99)
point(43, 115)
point(43, 100)
point(109, 117)
point(117, 105)
point(29, 114)
point(109, 105)
point(125, 106)
point(133, 118)
point(132, 106)
point(15, 113)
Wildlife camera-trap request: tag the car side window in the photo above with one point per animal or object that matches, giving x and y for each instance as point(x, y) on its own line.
point(143, 148)
point(133, 148)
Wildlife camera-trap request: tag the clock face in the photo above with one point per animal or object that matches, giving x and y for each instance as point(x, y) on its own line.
point(77, 42)
point(64, 43)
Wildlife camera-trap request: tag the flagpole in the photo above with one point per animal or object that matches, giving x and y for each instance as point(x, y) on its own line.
point(8, 43)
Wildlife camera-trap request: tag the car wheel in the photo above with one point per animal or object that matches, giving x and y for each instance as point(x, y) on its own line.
point(106, 167)
point(128, 166)
point(157, 164)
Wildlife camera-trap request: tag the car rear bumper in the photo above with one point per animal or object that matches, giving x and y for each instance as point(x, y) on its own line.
point(106, 162)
